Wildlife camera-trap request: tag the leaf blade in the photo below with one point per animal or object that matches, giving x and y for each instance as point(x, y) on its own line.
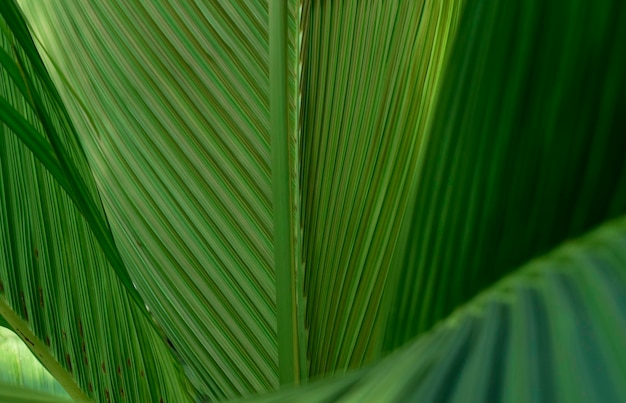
point(183, 158)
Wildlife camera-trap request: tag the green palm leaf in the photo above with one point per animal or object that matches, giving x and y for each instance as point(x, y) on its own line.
point(188, 114)
point(52, 140)
point(369, 98)
point(58, 287)
point(527, 149)
point(298, 188)
point(551, 331)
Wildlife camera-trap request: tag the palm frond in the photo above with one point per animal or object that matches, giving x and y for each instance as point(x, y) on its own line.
point(372, 71)
point(54, 142)
point(526, 150)
point(438, 146)
point(62, 286)
point(553, 330)
point(187, 111)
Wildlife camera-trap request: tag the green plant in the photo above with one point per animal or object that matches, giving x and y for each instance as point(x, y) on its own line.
point(19, 366)
point(212, 199)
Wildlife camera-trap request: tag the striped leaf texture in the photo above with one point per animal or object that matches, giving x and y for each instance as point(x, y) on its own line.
point(295, 188)
point(59, 289)
point(527, 149)
point(56, 146)
point(187, 112)
point(371, 73)
point(552, 331)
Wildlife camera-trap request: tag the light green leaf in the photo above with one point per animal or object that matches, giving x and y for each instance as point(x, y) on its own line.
point(51, 138)
point(551, 331)
point(187, 113)
point(372, 72)
point(21, 394)
point(19, 367)
point(58, 287)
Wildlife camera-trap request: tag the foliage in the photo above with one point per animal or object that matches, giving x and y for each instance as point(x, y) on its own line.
point(18, 366)
point(214, 199)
